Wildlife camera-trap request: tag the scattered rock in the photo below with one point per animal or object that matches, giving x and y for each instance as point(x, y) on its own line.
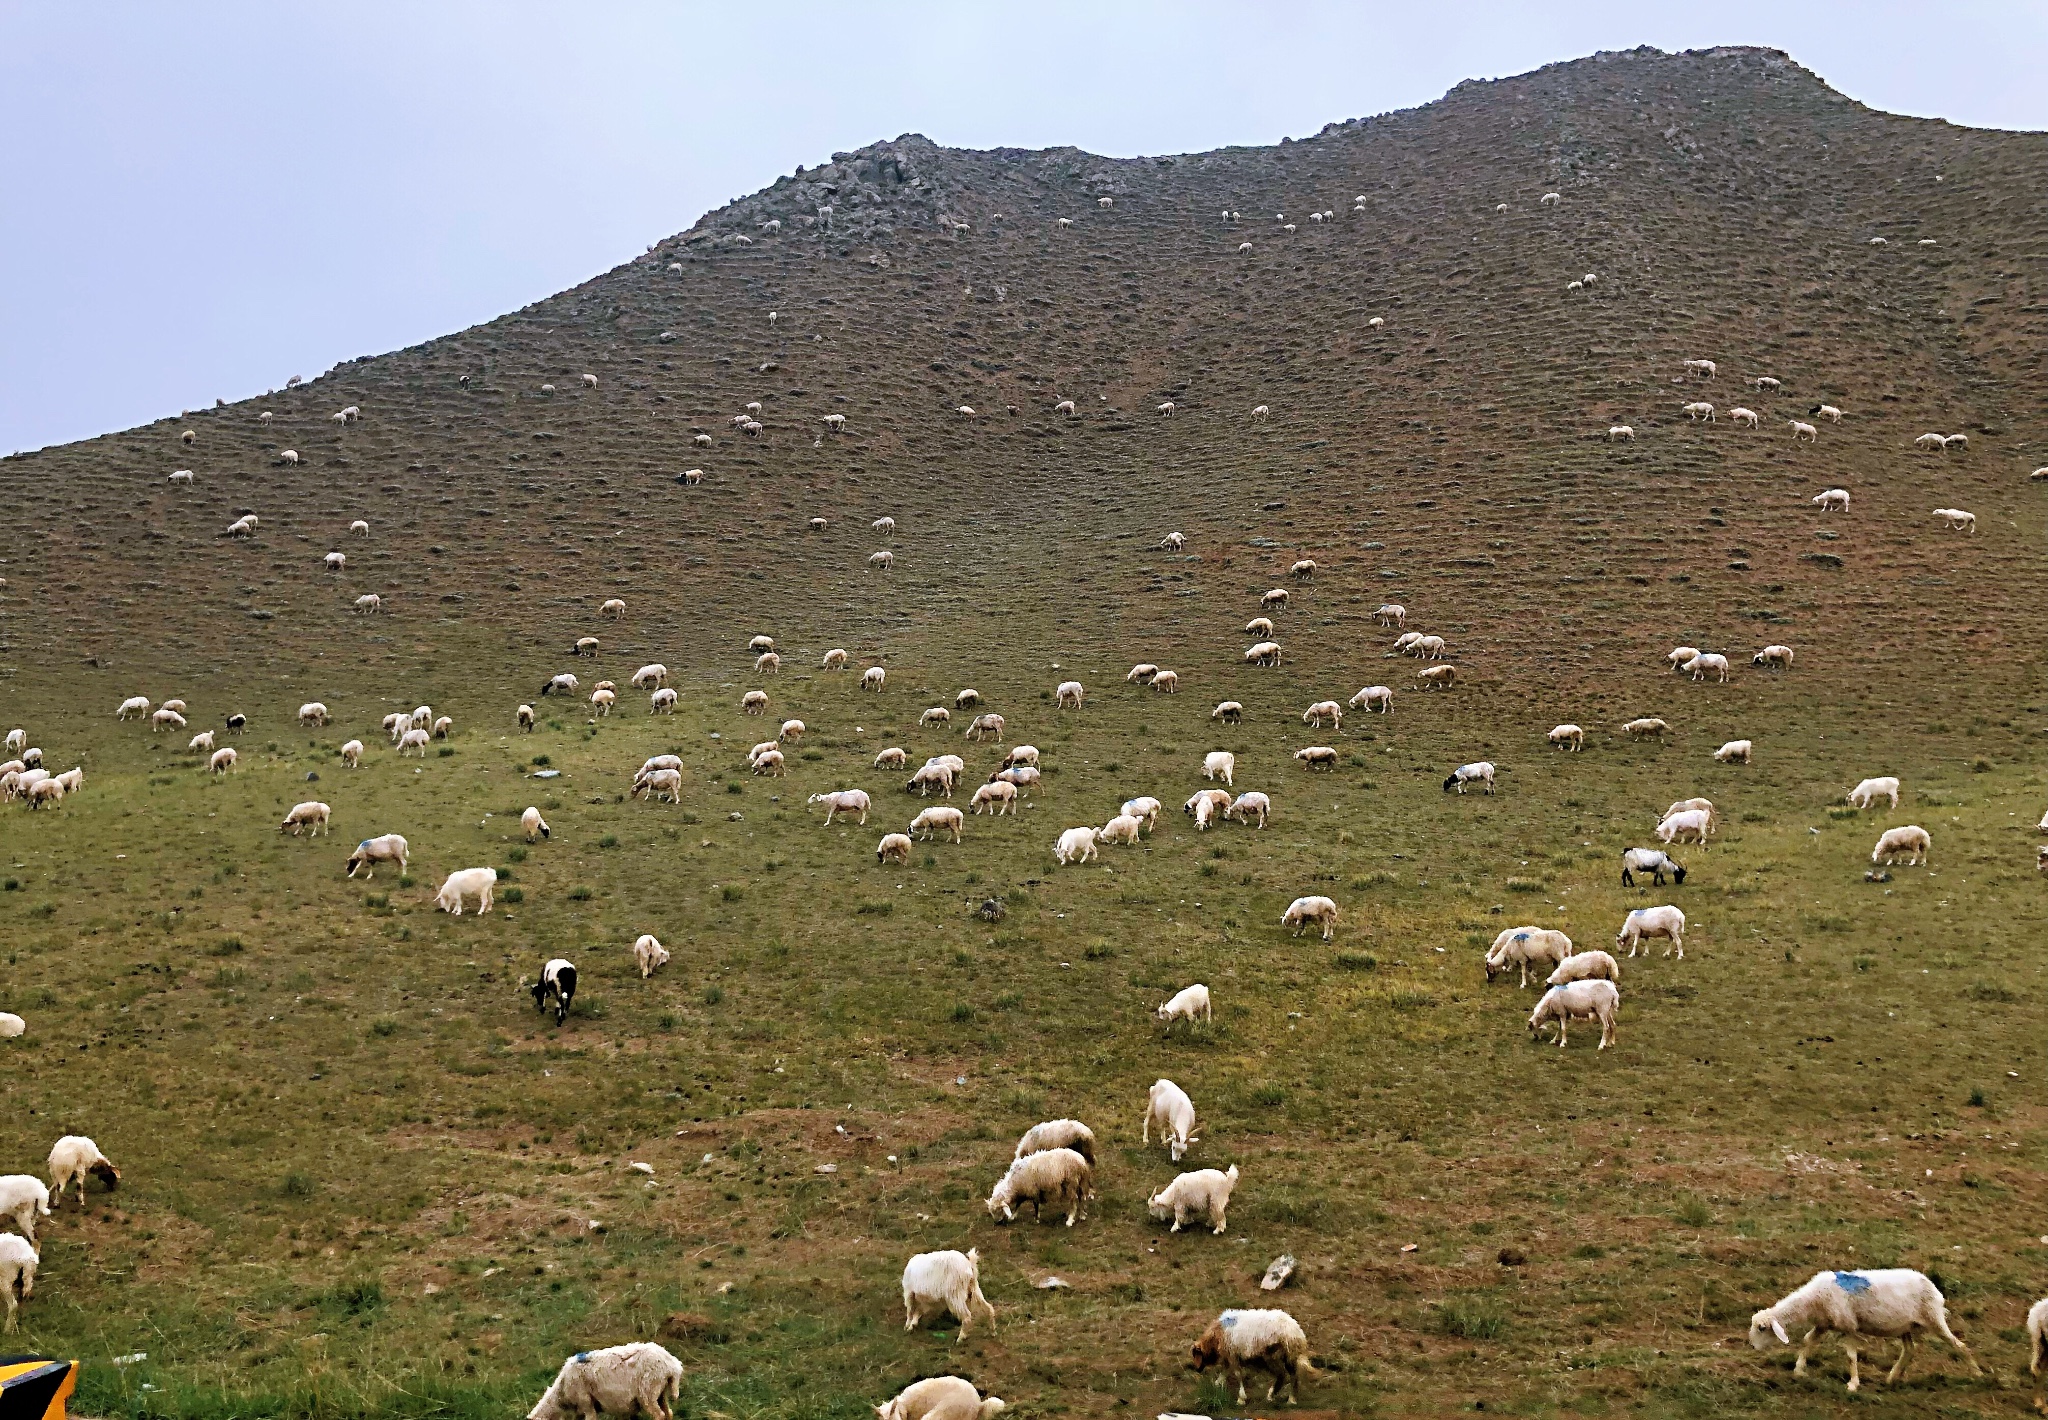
point(1278, 1273)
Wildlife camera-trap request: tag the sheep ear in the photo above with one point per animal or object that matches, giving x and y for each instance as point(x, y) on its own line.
point(1778, 1330)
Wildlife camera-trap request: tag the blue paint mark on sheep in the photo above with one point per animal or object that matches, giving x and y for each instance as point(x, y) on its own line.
point(1521, 936)
point(1852, 1282)
point(581, 1356)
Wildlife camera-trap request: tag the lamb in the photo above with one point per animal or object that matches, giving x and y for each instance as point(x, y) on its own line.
point(649, 953)
point(1831, 500)
point(771, 762)
point(1774, 655)
point(466, 883)
point(1259, 626)
point(1586, 966)
point(1869, 791)
point(1121, 829)
point(1250, 806)
point(1141, 673)
point(1263, 653)
point(1315, 757)
point(1230, 712)
point(873, 678)
point(1058, 1134)
point(1956, 518)
point(369, 604)
point(1391, 614)
point(835, 659)
point(942, 1397)
point(390, 848)
point(1168, 1106)
point(534, 825)
point(1068, 696)
point(1911, 840)
point(312, 713)
point(891, 758)
point(1647, 727)
point(659, 784)
point(663, 701)
point(1478, 772)
point(204, 741)
point(1882, 1302)
point(23, 1199)
point(1220, 764)
point(1203, 1193)
point(1642, 922)
point(1076, 845)
point(1303, 911)
point(1710, 663)
point(944, 1284)
point(71, 1159)
point(936, 820)
point(1584, 1000)
point(894, 848)
point(1380, 696)
point(1060, 1178)
point(222, 761)
point(310, 815)
point(1653, 861)
point(1525, 947)
point(1800, 426)
point(1686, 826)
point(842, 801)
point(1324, 711)
point(1190, 1003)
point(996, 797)
point(1438, 677)
point(1144, 807)
point(616, 1381)
point(1266, 1340)
point(1568, 737)
point(1166, 682)
point(558, 984)
point(986, 727)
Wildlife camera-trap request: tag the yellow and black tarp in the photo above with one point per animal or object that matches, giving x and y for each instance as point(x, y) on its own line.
point(35, 1387)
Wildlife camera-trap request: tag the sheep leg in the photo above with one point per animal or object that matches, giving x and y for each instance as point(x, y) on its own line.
point(1952, 1339)
point(1180, 1216)
point(1899, 1367)
point(10, 1307)
point(1805, 1345)
point(1855, 1376)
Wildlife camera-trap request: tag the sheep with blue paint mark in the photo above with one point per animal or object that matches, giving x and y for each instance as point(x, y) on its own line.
point(617, 1380)
point(1887, 1302)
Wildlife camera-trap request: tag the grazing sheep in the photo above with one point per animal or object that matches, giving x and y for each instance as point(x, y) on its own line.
point(1058, 1134)
point(222, 761)
point(71, 1159)
point(649, 953)
point(1568, 737)
point(997, 797)
point(17, 739)
point(1166, 682)
point(1145, 808)
point(203, 741)
point(1478, 772)
point(1831, 500)
point(558, 984)
point(1376, 323)
point(1269, 1341)
point(966, 699)
point(1264, 653)
point(1739, 415)
point(1304, 911)
point(654, 674)
point(1173, 542)
point(1220, 764)
point(2037, 1339)
point(443, 727)
point(1698, 367)
point(44, 792)
point(1121, 829)
point(938, 819)
point(873, 678)
point(1324, 714)
point(942, 1397)
point(1021, 754)
point(1250, 807)
point(1653, 861)
point(894, 848)
point(1304, 570)
point(1584, 1000)
point(336, 561)
point(1780, 656)
point(1141, 673)
point(1206, 805)
point(1883, 1302)
point(18, 1261)
point(944, 1284)
point(1525, 947)
point(1203, 1193)
point(1391, 614)
point(585, 646)
point(166, 719)
point(1911, 840)
point(413, 739)
point(1800, 426)
point(1956, 518)
point(612, 607)
point(883, 560)
point(986, 727)
point(465, 883)
point(312, 713)
point(1642, 922)
point(615, 1381)
point(835, 659)
point(1868, 791)
point(791, 731)
point(1621, 431)
point(1168, 1106)
point(933, 775)
point(770, 762)
point(1190, 1003)
point(311, 815)
point(1930, 442)
point(1376, 696)
point(1734, 752)
point(1076, 845)
point(1956, 440)
point(1228, 711)
point(1586, 966)
point(1686, 826)
point(1709, 663)
point(1060, 1178)
point(659, 784)
point(1259, 626)
point(1698, 410)
point(1315, 757)
point(1167, 408)
point(1277, 597)
point(1438, 677)
point(1647, 727)
point(601, 701)
point(891, 758)
point(534, 825)
point(663, 701)
point(390, 848)
point(1068, 696)
point(23, 1199)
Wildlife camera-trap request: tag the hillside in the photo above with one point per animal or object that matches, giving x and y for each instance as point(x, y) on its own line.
point(362, 1175)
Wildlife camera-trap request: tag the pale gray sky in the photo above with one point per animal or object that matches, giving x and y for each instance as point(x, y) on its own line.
point(199, 200)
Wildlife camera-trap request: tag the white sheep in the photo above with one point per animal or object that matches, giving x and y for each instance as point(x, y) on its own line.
point(1076, 845)
point(1166, 682)
point(986, 727)
point(1122, 829)
point(1324, 714)
point(1702, 367)
point(1568, 737)
point(1774, 655)
point(1437, 677)
point(1173, 542)
point(791, 731)
point(998, 797)
point(413, 739)
point(1621, 431)
point(1144, 808)
point(1594, 1000)
point(601, 702)
point(1391, 614)
point(390, 848)
point(1141, 673)
point(1648, 727)
point(23, 1199)
point(663, 701)
point(1868, 791)
point(612, 607)
point(615, 1381)
point(1593, 965)
point(649, 954)
point(17, 739)
point(1058, 1178)
point(1190, 1003)
point(1911, 840)
point(1956, 518)
point(1524, 947)
point(1220, 764)
point(18, 1261)
point(203, 741)
point(166, 719)
point(1686, 826)
point(443, 727)
point(937, 715)
point(1680, 655)
point(1068, 696)
point(312, 713)
point(1653, 861)
point(1883, 1302)
point(1228, 711)
point(1708, 663)
point(1270, 1341)
point(336, 561)
point(2037, 1346)
point(467, 883)
point(1800, 426)
point(944, 1284)
point(310, 816)
point(1202, 1193)
point(883, 560)
point(1827, 412)
point(1303, 570)
point(533, 825)
point(873, 678)
point(892, 758)
point(222, 761)
point(1273, 597)
point(1750, 417)
point(71, 1159)
point(1250, 807)
point(936, 820)
point(1259, 626)
point(1478, 772)
point(1735, 752)
point(942, 1397)
point(894, 848)
point(659, 784)
point(1058, 1134)
point(1306, 911)
point(1930, 442)
point(1168, 1106)
point(842, 801)
point(183, 475)
point(1380, 697)
point(1315, 757)
point(835, 659)
point(1698, 410)
point(1831, 500)
point(1642, 922)
point(770, 762)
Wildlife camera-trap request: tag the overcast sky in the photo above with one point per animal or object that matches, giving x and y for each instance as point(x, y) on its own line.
point(198, 200)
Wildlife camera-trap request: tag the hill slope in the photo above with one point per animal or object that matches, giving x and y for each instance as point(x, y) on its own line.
point(361, 1171)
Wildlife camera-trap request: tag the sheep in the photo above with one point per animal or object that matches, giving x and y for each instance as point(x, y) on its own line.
point(1868, 791)
point(557, 983)
point(1303, 911)
point(934, 774)
point(413, 739)
point(1438, 677)
point(1734, 752)
point(883, 560)
point(1276, 597)
point(17, 740)
point(653, 674)
point(1203, 1193)
point(1800, 426)
point(1324, 711)
point(1167, 408)
point(222, 761)
point(2037, 1339)
point(873, 679)
point(835, 659)
point(1264, 653)
point(691, 477)
point(1584, 1000)
point(1145, 808)
point(1648, 727)
point(166, 719)
point(1315, 757)
point(1780, 656)
point(1250, 806)
point(1230, 712)
point(649, 953)
point(1304, 570)
point(1702, 367)
point(1666, 921)
point(771, 762)
point(1686, 826)
point(938, 819)
point(937, 715)
point(1266, 1340)
point(659, 784)
point(996, 797)
point(1060, 1178)
point(1621, 431)
point(1428, 648)
point(1479, 772)
point(585, 646)
point(466, 883)
point(524, 717)
point(1930, 441)
point(1882, 1302)
point(203, 741)
point(942, 1397)
point(663, 701)
point(1190, 1003)
point(1680, 656)
point(1259, 626)
point(311, 815)
point(966, 699)
point(534, 826)
point(1698, 410)
point(336, 561)
point(1066, 407)
point(1068, 696)
point(1121, 829)
point(842, 801)
point(612, 607)
point(761, 643)
point(1956, 518)
point(1653, 861)
point(1076, 845)
point(1173, 542)
point(71, 1159)
point(1375, 696)
point(891, 758)
point(1708, 663)
point(1586, 966)
point(1568, 737)
point(986, 727)
point(1260, 411)
point(390, 848)
point(1750, 417)
point(1524, 947)
point(18, 1261)
point(791, 731)
point(289, 457)
point(443, 727)
point(1827, 412)
point(368, 604)
point(894, 848)
point(1141, 674)
point(617, 1380)
point(44, 792)
point(1168, 1106)
point(1831, 500)
point(1220, 764)
point(183, 475)
point(1911, 840)
point(883, 525)
point(944, 1284)
point(23, 1199)
point(601, 702)
point(1391, 614)
point(1166, 682)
